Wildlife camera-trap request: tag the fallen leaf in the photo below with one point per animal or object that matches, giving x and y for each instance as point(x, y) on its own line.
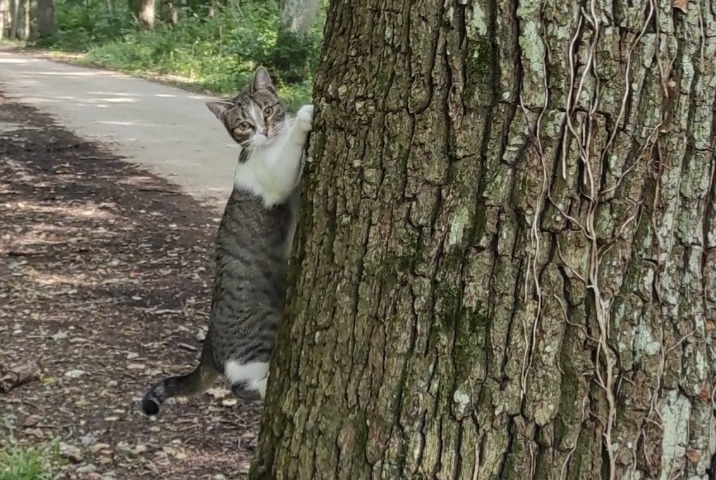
point(20, 375)
point(693, 455)
point(679, 4)
point(31, 421)
point(70, 452)
point(217, 392)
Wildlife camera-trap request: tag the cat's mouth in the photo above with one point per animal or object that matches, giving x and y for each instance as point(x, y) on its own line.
point(260, 140)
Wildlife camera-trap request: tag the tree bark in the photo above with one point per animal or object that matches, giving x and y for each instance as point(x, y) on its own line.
point(46, 25)
point(4, 19)
point(169, 13)
point(505, 264)
point(26, 26)
point(15, 6)
point(143, 11)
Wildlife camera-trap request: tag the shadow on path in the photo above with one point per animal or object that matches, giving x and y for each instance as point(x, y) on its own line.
point(104, 280)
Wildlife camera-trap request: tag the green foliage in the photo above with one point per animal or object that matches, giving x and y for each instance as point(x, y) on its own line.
point(28, 463)
point(215, 47)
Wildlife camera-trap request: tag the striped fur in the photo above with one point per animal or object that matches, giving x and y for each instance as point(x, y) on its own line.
point(253, 245)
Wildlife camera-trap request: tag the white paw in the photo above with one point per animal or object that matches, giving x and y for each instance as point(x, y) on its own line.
point(304, 118)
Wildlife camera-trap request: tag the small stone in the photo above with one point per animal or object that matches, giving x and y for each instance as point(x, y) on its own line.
point(74, 373)
point(88, 440)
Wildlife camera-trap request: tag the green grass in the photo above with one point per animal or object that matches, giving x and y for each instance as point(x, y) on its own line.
point(214, 53)
point(28, 463)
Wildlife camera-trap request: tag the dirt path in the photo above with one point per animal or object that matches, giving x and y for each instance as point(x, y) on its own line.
point(104, 280)
point(166, 130)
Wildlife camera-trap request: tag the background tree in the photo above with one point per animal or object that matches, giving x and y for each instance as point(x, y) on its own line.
point(143, 11)
point(169, 12)
point(505, 262)
point(299, 15)
point(15, 19)
point(45, 14)
point(4, 18)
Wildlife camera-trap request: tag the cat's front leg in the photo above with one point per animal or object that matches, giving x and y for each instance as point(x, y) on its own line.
point(302, 124)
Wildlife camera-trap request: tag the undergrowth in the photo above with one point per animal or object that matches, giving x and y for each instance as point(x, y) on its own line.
point(216, 48)
point(28, 463)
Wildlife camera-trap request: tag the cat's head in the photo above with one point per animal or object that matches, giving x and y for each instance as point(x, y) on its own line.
point(256, 115)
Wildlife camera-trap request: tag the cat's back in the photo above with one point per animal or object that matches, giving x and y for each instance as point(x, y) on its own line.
point(247, 221)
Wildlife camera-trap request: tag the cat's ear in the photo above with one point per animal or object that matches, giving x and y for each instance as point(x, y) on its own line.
point(219, 109)
point(262, 81)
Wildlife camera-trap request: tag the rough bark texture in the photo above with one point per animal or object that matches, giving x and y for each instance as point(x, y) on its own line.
point(14, 16)
point(505, 265)
point(46, 24)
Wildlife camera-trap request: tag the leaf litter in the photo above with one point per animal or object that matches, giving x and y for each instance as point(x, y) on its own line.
point(105, 274)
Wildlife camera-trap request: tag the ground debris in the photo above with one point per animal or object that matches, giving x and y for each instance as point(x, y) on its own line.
point(105, 274)
point(20, 375)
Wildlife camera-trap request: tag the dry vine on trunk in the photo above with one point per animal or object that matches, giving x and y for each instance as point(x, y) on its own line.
point(505, 262)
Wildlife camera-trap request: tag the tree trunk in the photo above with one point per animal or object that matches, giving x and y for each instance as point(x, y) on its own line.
point(4, 19)
point(299, 15)
point(14, 18)
point(143, 11)
point(46, 25)
point(168, 12)
point(505, 265)
point(26, 19)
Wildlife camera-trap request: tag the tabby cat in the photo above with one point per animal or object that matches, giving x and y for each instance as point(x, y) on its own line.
point(253, 245)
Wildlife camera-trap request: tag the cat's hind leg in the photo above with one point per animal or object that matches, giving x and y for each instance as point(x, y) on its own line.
point(248, 380)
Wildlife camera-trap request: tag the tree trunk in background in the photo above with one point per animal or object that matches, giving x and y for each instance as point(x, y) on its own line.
point(168, 12)
point(14, 18)
point(4, 19)
point(299, 15)
point(143, 11)
point(26, 19)
point(46, 25)
point(505, 263)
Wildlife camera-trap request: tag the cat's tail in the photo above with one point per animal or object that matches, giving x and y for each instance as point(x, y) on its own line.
point(195, 382)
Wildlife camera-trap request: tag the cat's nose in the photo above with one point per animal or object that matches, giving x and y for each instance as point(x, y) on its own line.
point(264, 132)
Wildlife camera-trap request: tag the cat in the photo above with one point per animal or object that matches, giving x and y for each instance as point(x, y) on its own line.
point(253, 245)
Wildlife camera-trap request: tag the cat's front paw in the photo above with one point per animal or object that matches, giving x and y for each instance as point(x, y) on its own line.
point(304, 118)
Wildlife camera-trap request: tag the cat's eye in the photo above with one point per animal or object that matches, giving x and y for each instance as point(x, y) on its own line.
point(244, 125)
point(268, 111)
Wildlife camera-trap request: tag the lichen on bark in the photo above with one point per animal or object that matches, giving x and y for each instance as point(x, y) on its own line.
point(504, 266)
